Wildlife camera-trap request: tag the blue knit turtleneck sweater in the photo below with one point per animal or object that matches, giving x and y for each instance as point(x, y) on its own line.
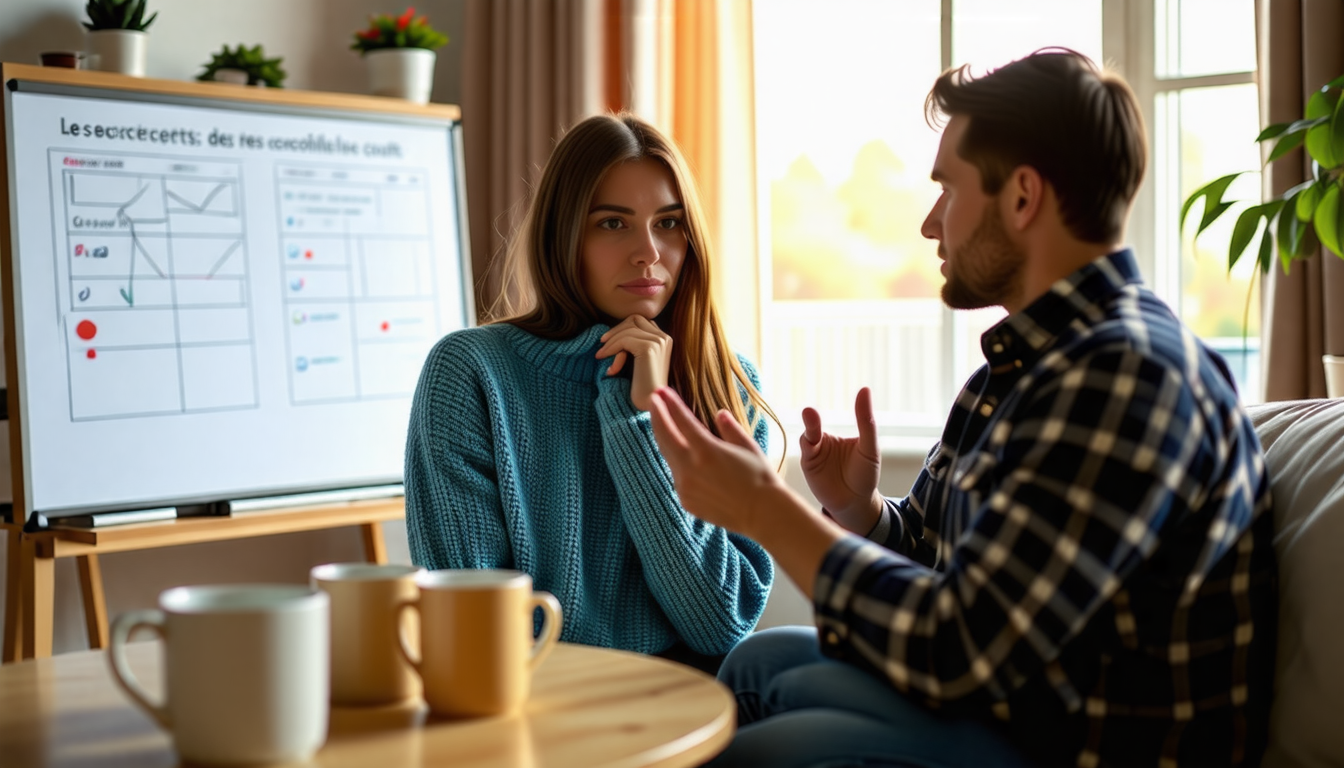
point(522, 453)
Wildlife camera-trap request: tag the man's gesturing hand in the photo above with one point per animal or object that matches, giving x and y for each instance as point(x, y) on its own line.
point(723, 482)
point(842, 472)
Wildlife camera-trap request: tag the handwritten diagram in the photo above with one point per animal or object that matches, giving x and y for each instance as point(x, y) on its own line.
point(154, 258)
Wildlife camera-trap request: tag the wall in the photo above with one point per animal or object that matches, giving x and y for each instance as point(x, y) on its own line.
point(313, 36)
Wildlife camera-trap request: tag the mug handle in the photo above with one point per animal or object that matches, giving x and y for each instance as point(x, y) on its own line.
point(550, 627)
point(397, 611)
point(122, 627)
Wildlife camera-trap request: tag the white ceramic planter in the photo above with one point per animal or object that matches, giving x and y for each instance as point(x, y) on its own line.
point(402, 73)
point(1334, 375)
point(230, 75)
point(119, 50)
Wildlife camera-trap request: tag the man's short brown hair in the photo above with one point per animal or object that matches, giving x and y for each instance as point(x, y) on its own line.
point(1057, 112)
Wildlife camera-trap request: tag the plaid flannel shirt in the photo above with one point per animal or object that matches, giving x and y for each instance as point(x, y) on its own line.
point(1086, 555)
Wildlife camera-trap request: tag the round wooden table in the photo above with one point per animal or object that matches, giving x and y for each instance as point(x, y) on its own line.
point(590, 707)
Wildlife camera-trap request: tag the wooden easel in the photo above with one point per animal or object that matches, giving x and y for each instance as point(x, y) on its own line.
point(30, 569)
point(30, 583)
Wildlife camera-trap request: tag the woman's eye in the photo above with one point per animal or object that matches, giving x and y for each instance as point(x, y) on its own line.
point(611, 224)
point(669, 223)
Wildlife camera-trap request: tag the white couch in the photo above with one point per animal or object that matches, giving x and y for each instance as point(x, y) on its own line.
point(1304, 447)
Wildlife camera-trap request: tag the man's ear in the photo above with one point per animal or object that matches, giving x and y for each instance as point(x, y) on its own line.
point(1022, 197)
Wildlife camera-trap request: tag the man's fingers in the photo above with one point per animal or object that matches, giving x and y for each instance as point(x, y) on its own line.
point(670, 440)
point(811, 427)
point(692, 431)
point(863, 416)
point(733, 432)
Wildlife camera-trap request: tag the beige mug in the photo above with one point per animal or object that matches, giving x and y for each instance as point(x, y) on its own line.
point(245, 670)
point(367, 669)
point(477, 650)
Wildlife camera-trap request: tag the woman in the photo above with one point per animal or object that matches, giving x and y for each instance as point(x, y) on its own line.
point(530, 445)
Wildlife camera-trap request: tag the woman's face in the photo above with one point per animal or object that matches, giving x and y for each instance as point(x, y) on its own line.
point(634, 240)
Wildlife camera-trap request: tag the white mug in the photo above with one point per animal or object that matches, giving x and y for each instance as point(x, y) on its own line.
point(245, 668)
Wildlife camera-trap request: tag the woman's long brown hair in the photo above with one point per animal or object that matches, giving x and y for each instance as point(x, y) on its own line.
point(543, 289)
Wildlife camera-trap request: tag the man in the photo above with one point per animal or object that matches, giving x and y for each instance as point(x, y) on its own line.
point(1082, 572)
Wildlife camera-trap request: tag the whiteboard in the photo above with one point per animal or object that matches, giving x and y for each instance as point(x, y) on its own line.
point(216, 300)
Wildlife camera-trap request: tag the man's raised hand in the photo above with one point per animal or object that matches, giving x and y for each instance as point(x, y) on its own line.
point(842, 472)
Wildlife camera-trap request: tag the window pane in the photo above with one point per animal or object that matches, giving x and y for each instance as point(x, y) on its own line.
point(1217, 129)
point(990, 33)
point(1204, 37)
point(844, 156)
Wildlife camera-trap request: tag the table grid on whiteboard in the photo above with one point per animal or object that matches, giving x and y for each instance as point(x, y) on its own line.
point(154, 255)
point(359, 283)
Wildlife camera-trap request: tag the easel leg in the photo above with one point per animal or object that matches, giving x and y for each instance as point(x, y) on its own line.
point(375, 549)
point(13, 595)
point(39, 595)
point(95, 608)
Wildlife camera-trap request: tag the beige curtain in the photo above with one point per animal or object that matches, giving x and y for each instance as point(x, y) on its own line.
point(713, 119)
point(1299, 51)
point(688, 69)
point(530, 69)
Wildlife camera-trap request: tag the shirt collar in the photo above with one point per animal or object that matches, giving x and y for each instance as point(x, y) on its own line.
point(1020, 338)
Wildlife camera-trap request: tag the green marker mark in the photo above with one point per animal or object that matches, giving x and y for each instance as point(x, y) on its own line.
point(130, 298)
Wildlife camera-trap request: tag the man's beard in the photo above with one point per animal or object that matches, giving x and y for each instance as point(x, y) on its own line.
point(986, 270)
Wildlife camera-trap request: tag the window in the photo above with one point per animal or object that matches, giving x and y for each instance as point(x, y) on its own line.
point(851, 288)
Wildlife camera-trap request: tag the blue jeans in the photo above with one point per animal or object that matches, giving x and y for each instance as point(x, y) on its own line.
point(799, 709)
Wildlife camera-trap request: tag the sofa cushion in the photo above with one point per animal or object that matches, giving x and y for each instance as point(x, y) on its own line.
point(1304, 448)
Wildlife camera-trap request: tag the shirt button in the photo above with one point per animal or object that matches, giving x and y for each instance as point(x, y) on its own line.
point(997, 347)
point(986, 409)
point(832, 638)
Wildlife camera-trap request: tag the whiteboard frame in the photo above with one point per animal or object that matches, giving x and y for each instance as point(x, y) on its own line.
point(77, 83)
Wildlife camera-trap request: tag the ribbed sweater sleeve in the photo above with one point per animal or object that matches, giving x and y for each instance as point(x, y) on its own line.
point(711, 584)
point(454, 518)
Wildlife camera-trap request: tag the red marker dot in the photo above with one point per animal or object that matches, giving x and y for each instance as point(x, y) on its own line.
point(307, 254)
point(86, 329)
point(386, 325)
point(91, 354)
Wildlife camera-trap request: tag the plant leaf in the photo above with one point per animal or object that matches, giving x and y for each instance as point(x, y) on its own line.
point(1289, 234)
point(1287, 144)
point(1337, 131)
point(1307, 202)
point(1242, 233)
point(1320, 147)
point(1338, 82)
point(1213, 205)
point(1328, 221)
point(1273, 131)
point(1267, 248)
point(1320, 104)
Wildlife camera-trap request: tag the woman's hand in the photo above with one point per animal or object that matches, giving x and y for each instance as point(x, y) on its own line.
point(639, 338)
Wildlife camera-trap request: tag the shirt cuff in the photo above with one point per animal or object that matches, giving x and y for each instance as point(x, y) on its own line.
point(833, 589)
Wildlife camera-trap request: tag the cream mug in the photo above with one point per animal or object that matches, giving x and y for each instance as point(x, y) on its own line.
point(367, 668)
point(477, 649)
point(245, 670)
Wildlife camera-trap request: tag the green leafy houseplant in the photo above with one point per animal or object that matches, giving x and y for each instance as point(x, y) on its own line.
point(252, 60)
point(1311, 212)
point(118, 14)
point(404, 31)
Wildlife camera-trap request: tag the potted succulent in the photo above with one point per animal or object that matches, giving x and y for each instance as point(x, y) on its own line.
point(1308, 217)
point(244, 66)
point(400, 55)
point(117, 37)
